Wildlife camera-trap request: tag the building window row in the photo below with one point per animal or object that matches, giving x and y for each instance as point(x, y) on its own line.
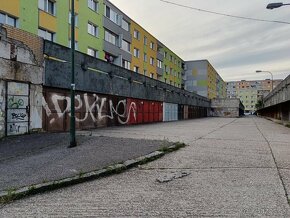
point(111, 38)
point(76, 45)
point(92, 52)
point(152, 45)
point(151, 61)
point(136, 34)
point(112, 15)
point(94, 5)
point(93, 29)
point(126, 64)
point(76, 19)
point(136, 52)
point(6, 19)
point(126, 45)
point(159, 63)
point(47, 35)
point(47, 6)
point(125, 25)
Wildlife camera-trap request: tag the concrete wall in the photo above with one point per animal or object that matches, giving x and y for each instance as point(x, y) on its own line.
point(277, 103)
point(95, 110)
point(226, 107)
point(97, 76)
point(21, 78)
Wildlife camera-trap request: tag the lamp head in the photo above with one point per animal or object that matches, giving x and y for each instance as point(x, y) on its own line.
point(274, 5)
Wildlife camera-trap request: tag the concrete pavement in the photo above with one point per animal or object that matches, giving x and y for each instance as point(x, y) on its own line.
point(42, 160)
point(233, 167)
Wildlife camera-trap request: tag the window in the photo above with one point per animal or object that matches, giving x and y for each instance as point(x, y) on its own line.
point(112, 15)
point(145, 57)
point(165, 54)
point(145, 72)
point(126, 64)
point(111, 37)
point(152, 61)
point(166, 69)
point(76, 45)
point(46, 35)
point(6, 19)
point(47, 6)
point(151, 75)
point(136, 52)
point(76, 19)
point(93, 52)
point(136, 69)
point(159, 63)
point(93, 29)
point(94, 5)
point(171, 58)
point(126, 45)
point(125, 25)
point(136, 34)
point(145, 40)
point(152, 45)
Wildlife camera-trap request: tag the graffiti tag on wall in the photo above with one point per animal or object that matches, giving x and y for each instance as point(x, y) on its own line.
point(96, 110)
point(17, 108)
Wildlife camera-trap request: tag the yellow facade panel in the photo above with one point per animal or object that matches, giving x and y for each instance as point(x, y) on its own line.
point(76, 33)
point(10, 7)
point(140, 45)
point(77, 3)
point(137, 43)
point(47, 21)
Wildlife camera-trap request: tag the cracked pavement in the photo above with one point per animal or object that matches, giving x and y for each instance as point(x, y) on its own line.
point(234, 168)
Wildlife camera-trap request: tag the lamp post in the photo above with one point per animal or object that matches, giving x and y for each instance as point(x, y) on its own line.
point(72, 87)
point(261, 71)
point(272, 6)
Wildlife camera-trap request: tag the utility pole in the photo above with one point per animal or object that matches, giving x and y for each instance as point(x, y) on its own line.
point(72, 87)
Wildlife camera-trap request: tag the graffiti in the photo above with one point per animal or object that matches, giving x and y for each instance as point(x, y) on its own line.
point(17, 129)
point(17, 102)
point(2, 111)
point(95, 110)
point(19, 116)
point(14, 102)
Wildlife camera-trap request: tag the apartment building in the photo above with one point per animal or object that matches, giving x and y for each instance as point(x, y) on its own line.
point(250, 92)
point(201, 77)
point(105, 32)
point(51, 20)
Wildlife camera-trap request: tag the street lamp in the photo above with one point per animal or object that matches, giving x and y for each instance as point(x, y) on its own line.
point(275, 5)
point(261, 71)
point(72, 86)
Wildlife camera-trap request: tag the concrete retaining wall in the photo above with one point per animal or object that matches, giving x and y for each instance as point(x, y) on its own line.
point(226, 107)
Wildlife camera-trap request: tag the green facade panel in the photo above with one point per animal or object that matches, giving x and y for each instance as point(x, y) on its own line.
point(28, 19)
point(86, 40)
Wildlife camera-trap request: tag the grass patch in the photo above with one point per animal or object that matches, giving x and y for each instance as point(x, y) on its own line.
point(9, 197)
point(174, 147)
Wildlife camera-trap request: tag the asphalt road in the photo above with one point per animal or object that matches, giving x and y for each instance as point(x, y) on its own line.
point(233, 167)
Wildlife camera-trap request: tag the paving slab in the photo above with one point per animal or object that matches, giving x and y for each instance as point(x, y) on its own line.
point(227, 170)
point(211, 153)
point(285, 173)
point(281, 152)
point(237, 132)
point(57, 161)
point(232, 193)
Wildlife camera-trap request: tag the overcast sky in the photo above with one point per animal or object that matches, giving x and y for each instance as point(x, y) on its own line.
point(236, 48)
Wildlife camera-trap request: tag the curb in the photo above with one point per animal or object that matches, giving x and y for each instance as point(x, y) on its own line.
point(10, 195)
